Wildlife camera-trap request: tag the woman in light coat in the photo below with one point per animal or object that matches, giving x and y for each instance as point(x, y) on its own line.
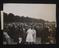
point(31, 35)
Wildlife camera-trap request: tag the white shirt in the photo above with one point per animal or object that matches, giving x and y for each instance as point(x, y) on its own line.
point(31, 35)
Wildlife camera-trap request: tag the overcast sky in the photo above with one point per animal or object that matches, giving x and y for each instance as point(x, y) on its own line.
point(39, 11)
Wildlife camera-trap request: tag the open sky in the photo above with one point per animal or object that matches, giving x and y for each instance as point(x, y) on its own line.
point(39, 11)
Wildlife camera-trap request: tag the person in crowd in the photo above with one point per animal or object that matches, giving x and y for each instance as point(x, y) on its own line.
point(12, 32)
point(38, 34)
point(20, 34)
point(51, 36)
point(31, 35)
point(44, 35)
point(7, 38)
point(24, 35)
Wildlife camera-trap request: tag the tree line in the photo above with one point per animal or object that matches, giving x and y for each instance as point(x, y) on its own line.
point(16, 18)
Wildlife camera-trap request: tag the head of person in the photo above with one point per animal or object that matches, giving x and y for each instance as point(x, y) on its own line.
point(29, 26)
point(32, 27)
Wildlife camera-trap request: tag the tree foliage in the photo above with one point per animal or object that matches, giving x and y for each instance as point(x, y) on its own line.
point(15, 18)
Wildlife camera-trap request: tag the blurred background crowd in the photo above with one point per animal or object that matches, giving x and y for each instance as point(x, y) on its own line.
point(45, 34)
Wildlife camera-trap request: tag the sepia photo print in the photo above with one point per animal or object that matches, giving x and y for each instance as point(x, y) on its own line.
point(29, 23)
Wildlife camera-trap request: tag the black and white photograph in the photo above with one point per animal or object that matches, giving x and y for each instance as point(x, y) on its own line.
point(24, 23)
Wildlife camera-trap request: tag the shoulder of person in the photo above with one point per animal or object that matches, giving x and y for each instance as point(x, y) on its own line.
point(28, 30)
point(34, 30)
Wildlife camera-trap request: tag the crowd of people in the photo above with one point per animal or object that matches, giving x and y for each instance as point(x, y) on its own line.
point(27, 34)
